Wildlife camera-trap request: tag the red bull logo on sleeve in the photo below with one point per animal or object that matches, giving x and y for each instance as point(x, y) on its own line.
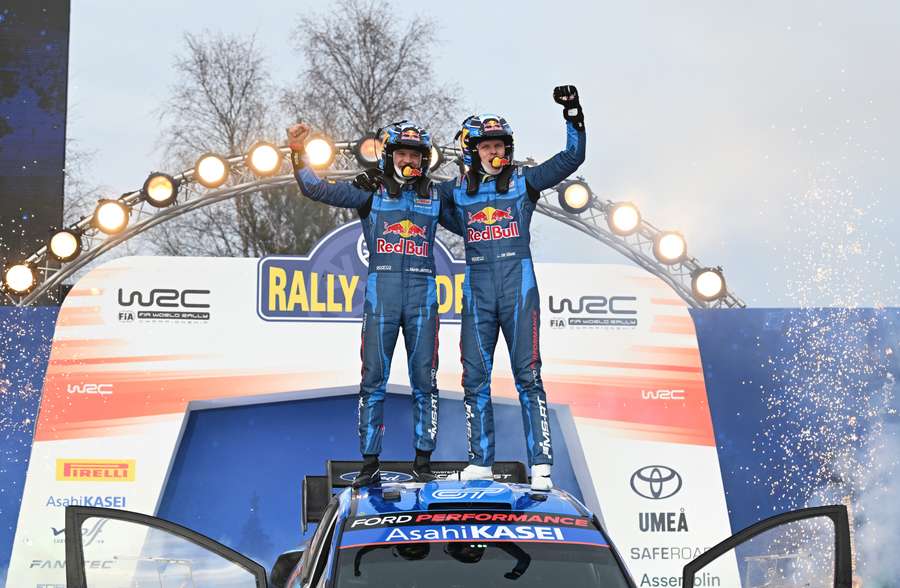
point(489, 216)
point(405, 229)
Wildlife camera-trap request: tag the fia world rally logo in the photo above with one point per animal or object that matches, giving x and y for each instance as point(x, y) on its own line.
point(489, 217)
point(406, 230)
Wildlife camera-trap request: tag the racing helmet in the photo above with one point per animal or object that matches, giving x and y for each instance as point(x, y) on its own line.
point(404, 135)
point(479, 127)
point(467, 553)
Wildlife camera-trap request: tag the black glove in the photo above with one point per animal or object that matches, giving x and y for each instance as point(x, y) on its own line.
point(370, 180)
point(567, 96)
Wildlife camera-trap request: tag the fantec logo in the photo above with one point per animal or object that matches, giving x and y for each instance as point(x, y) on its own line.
point(164, 298)
point(656, 482)
point(386, 476)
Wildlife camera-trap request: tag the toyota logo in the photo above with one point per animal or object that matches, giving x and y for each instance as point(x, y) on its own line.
point(656, 482)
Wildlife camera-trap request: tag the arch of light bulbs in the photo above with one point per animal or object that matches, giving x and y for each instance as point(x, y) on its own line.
point(214, 178)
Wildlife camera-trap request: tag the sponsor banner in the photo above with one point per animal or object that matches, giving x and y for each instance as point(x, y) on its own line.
point(636, 394)
point(98, 500)
point(517, 533)
point(506, 517)
point(387, 476)
point(90, 389)
point(60, 564)
point(91, 533)
point(163, 305)
point(661, 505)
point(618, 347)
point(593, 311)
point(648, 437)
point(95, 470)
point(330, 283)
point(58, 478)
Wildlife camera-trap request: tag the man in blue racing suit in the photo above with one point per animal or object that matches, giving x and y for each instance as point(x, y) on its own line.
point(494, 201)
point(399, 213)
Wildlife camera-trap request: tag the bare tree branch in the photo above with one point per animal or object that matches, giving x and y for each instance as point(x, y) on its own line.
point(363, 69)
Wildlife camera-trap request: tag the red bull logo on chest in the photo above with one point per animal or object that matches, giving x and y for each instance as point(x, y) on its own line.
point(489, 216)
point(405, 229)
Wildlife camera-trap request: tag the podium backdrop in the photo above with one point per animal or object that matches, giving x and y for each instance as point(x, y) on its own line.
point(203, 390)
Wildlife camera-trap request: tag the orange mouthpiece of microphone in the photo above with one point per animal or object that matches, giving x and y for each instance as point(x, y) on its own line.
point(411, 172)
point(499, 162)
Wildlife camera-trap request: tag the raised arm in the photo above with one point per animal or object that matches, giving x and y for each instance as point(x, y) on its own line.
point(567, 161)
point(341, 194)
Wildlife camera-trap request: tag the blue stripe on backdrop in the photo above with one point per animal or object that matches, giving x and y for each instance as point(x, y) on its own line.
point(831, 372)
point(238, 470)
point(803, 405)
point(25, 336)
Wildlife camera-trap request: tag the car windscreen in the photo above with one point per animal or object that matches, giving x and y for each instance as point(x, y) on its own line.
point(475, 549)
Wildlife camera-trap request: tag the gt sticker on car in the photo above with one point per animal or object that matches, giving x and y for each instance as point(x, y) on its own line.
point(468, 493)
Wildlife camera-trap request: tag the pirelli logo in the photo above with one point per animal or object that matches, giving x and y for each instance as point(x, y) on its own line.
point(95, 470)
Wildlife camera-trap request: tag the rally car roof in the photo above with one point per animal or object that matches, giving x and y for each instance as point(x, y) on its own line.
point(470, 495)
point(398, 493)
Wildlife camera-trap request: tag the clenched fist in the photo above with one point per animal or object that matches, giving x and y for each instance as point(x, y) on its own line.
point(297, 136)
point(567, 96)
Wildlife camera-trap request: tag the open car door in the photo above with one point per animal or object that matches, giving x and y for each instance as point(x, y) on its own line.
point(807, 548)
point(109, 548)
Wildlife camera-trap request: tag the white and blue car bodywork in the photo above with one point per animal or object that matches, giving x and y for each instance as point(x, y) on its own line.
point(442, 534)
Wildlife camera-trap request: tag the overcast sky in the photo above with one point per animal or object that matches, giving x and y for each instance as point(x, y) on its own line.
point(766, 132)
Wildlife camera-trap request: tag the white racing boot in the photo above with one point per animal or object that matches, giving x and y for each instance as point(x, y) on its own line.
point(474, 472)
point(540, 477)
